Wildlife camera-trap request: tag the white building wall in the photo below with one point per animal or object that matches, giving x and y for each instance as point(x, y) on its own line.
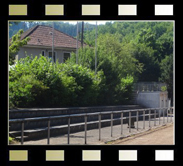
point(37, 51)
point(153, 99)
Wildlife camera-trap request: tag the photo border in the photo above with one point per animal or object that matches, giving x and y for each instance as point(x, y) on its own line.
point(36, 154)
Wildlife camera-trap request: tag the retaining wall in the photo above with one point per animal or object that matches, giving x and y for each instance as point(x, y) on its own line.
point(43, 112)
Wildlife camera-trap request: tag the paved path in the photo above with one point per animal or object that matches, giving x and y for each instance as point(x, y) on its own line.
point(159, 136)
point(93, 135)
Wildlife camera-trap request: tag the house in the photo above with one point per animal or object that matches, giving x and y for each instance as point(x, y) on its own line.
point(41, 43)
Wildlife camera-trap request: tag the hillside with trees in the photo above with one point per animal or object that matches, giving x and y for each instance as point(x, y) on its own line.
point(127, 52)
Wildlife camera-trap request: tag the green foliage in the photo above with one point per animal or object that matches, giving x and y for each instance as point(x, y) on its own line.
point(36, 82)
point(27, 91)
point(166, 67)
point(124, 89)
point(126, 51)
point(11, 140)
point(15, 44)
point(163, 88)
point(115, 64)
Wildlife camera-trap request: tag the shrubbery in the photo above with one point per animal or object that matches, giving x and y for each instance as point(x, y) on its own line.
point(36, 82)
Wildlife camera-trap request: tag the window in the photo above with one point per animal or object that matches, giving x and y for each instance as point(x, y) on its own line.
point(43, 53)
point(66, 56)
point(54, 56)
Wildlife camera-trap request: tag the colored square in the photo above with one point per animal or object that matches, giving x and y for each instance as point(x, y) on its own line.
point(17, 9)
point(127, 9)
point(91, 155)
point(18, 155)
point(164, 155)
point(54, 9)
point(163, 10)
point(54, 155)
point(90, 9)
point(127, 155)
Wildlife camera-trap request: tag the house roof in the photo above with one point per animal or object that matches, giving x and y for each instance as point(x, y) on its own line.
point(40, 36)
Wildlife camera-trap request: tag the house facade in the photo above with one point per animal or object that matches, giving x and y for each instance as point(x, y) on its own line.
point(59, 54)
point(41, 41)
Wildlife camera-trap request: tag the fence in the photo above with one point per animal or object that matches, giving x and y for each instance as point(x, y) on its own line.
point(150, 86)
point(148, 113)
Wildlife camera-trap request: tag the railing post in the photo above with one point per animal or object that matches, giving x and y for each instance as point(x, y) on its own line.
point(129, 121)
point(171, 113)
point(163, 116)
point(85, 129)
point(99, 127)
point(143, 119)
point(137, 119)
point(121, 123)
point(68, 137)
point(22, 133)
point(111, 123)
point(159, 115)
point(167, 115)
point(48, 132)
point(155, 117)
point(149, 118)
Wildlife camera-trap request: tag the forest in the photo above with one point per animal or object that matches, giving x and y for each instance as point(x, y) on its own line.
point(127, 52)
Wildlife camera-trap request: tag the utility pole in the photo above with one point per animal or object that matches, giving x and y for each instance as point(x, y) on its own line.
point(82, 34)
point(77, 46)
point(24, 26)
point(52, 42)
point(96, 50)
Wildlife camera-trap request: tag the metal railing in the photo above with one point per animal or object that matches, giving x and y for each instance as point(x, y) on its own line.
point(166, 110)
point(150, 86)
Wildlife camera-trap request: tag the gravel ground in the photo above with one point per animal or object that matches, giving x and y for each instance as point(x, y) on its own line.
point(159, 136)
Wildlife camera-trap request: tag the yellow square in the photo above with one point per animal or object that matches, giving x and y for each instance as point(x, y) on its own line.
point(90, 9)
point(18, 155)
point(17, 9)
point(127, 9)
point(91, 155)
point(54, 155)
point(54, 9)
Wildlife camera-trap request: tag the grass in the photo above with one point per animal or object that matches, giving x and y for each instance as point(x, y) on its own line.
point(12, 140)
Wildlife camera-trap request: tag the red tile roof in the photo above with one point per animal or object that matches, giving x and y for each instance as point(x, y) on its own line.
point(40, 36)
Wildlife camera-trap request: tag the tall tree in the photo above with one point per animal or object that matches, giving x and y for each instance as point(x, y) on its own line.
point(166, 67)
point(15, 45)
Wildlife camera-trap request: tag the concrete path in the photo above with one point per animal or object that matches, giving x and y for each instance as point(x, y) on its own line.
point(93, 135)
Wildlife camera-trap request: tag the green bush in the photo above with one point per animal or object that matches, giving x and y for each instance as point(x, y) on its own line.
point(163, 88)
point(36, 82)
point(27, 91)
point(87, 85)
point(124, 89)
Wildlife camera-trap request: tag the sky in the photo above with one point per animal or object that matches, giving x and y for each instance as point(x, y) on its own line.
point(91, 22)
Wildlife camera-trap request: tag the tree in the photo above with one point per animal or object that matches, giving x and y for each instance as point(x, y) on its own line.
point(15, 45)
point(145, 56)
point(166, 67)
point(120, 67)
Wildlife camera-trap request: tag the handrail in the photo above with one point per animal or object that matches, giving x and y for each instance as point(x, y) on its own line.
point(79, 115)
point(85, 115)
